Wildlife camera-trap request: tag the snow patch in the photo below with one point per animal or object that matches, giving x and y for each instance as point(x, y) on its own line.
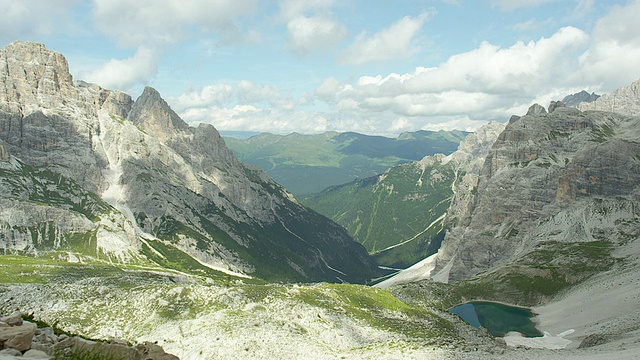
point(419, 271)
point(548, 341)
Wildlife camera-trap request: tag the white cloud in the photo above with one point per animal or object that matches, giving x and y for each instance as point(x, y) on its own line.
point(217, 94)
point(124, 74)
point(149, 22)
point(251, 93)
point(311, 25)
point(329, 89)
point(614, 53)
point(244, 93)
point(308, 34)
point(27, 18)
point(466, 91)
point(397, 41)
point(252, 118)
point(469, 89)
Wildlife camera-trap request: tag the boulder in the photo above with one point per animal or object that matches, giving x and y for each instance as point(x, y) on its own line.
point(151, 351)
point(37, 355)
point(18, 337)
point(15, 319)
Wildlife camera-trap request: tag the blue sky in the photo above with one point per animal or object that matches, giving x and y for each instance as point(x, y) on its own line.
point(376, 67)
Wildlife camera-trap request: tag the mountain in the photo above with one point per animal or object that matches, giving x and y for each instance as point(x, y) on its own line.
point(87, 173)
point(109, 232)
point(565, 180)
point(306, 164)
point(398, 216)
point(551, 222)
point(574, 100)
point(625, 100)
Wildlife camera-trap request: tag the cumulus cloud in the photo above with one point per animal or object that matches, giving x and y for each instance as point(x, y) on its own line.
point(126, 73)
point(311, 25)
point(489, 82)
point(217, 94)
point(150, 26)
point(148, 22)
point(466, 91)
point(614, 52)
point(477, 81)
point(253, 118)
point(27, 18)
point(223, 95)
point(394, 42)
point(308, 34)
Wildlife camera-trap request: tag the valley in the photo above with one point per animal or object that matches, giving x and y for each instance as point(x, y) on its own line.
point(118, 220)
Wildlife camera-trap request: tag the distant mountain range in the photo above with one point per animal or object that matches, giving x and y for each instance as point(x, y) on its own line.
point(305, 164)
point(574, 100)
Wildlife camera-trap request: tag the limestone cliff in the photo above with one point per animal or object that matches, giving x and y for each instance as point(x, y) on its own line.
point(566, 176)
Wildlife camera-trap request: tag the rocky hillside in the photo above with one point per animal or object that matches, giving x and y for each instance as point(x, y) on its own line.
point(91, 175)
point(399, 216)
point(567, 184)
point(306, 164)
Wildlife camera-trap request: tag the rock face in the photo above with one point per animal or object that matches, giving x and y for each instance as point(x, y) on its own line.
point(625, 100)
point(91, 166)
point(574, 100)
point(153, 115)
point(5, 156)
point(566, 176)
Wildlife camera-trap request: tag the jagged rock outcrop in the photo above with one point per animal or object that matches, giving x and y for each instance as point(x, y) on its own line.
point(566, 176)
point(23, 339)
point(574, 100)
point(554, 105)
point(132, 178)
point(152, 114)
point(625, 100)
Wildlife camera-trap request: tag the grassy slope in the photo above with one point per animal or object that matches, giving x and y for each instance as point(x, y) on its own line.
point(382, 213)
point(99, 301)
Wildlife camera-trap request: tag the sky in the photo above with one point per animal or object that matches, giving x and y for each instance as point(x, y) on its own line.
point(378, 67)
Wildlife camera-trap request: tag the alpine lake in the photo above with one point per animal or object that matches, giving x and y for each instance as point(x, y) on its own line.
point(498, 319)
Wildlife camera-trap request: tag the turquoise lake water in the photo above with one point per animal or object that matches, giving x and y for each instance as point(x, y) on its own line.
point(498, 319)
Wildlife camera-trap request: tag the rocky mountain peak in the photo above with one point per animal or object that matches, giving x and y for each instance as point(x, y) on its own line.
point(554, 105)
point(625, 100)
point(152, 114)
point(32, 76)
point(582, 96)
point(536, 109)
